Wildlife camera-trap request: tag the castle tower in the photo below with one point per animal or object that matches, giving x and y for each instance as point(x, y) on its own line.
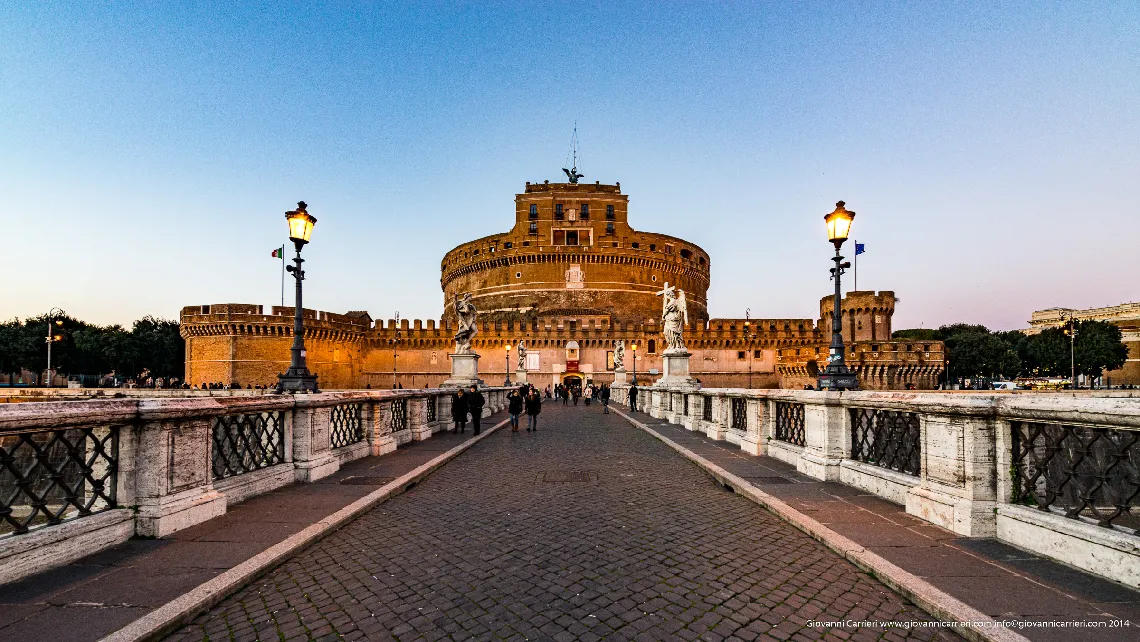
point(572, 252)
point(866, 315)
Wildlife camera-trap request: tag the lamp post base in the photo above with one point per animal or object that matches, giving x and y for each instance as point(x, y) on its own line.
point(297, 380)
point(838, 380)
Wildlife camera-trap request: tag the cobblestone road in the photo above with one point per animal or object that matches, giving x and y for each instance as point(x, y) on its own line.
point(589, 529)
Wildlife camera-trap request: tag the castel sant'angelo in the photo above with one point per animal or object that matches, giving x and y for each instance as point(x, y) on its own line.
point(567, 280)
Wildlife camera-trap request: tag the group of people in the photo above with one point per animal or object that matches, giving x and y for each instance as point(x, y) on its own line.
point(588, 393)
point(526, 399)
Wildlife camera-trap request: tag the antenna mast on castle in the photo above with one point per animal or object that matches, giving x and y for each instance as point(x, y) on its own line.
point(573, 173)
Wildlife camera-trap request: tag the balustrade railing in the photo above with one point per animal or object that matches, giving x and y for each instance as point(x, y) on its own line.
point(432, 409)
point(739, 414)
point(247, 442)
point(53, 476)
point(790, 423)
point(1079, 471)
point(399, 413)
point(346, 426)
point(887, 438)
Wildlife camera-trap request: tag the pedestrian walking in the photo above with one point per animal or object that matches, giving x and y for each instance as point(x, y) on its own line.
point(577, 392)
point(515, 408)
point(564, 392)
point(475, 403)
point(533, 406)
point(589, 394)
point(459, 410)
point(604, 395)
point(633, 398)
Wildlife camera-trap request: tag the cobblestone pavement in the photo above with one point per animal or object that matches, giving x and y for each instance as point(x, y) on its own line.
point(589, 529)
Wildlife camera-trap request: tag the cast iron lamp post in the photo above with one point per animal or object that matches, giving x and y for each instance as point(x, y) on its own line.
point(507, 368)
point(52, 338)
point(837, 376)
point(1071, 331)
point(748, 334)
point(298, 378)
point(633, 346)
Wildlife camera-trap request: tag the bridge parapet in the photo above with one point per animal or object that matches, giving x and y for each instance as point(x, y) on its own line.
point(87, 476)
point(1044, 472)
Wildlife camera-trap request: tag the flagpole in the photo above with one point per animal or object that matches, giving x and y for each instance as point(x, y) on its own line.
point(856, 265)
point(282, 276)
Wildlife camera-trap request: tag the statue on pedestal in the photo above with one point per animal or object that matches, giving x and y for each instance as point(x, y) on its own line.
point(619, 354)
point(522, 356)
point(674, 314)
point(466, 311)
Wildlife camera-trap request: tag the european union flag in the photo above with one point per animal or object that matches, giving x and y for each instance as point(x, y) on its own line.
point(860, 248)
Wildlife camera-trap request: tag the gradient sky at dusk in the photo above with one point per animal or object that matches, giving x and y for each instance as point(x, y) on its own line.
point(991, 150)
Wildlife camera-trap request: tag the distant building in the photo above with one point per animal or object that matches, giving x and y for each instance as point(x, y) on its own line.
point(1125, 316)
point(569, 279)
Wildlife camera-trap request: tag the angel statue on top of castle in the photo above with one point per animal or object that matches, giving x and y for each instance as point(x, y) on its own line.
point(466, 311)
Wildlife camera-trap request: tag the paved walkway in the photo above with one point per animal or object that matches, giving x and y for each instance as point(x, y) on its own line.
point(589, 529)
point(101, 593)
point(997, 579)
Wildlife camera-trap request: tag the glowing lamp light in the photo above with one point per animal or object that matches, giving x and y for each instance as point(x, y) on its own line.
point(634, 347)
point(839, 224)
point(508, 347)
point(300, 224)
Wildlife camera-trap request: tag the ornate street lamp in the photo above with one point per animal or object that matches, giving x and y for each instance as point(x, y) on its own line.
point(298, 378)
point(1071, 331)
point(837, 376)
point(507, 368)
point(395, 345)
point(633, 346)
point(52, 337)
point(748, 334)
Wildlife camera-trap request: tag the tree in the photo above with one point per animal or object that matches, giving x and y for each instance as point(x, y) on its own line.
point(973, 350)
point(1047, 353)
point(1098, 347)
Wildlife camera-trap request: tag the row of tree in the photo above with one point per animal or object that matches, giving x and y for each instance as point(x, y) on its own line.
point(151, 344)
point(975, 351)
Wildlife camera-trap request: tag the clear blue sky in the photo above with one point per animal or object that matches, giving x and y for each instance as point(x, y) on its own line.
point(149, 151)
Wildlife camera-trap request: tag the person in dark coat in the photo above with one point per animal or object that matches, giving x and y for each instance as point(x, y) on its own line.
point(604, 396)
point(633, 398)
point(475, 402)
point(515, 408)
point(533, 406)
point(459, 410)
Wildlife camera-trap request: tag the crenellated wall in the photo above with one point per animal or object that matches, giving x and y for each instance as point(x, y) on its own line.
point(240, 343)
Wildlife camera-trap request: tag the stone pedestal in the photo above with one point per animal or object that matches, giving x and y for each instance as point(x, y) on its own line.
point(676, 371)
point(464, 371)
point(520, 377)
point(619, 377)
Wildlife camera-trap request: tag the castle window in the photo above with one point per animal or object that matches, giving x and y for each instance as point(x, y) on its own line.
point(740, 355)
point(701, 260)
point(609, 212)
point(558, 216)
point(518, 275)
point(585, 211)
point(652, 348)
point(615, 243)
point(668, 249)
point(759, 354)
point(558, 237)
point(572, 237)
point(635, 245)
point(533, 212)
point(534, 228)
point(926, 347)
point(652, 247)
point(535, 231)
point(875, 348)
point(508, 245)
point(686, 254)
point(609, 228)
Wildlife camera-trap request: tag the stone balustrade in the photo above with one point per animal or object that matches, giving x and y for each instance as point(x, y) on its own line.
point(1054, 473)
point(80, 476)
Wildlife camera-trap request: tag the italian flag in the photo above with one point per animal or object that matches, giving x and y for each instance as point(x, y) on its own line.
point(279, 253)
